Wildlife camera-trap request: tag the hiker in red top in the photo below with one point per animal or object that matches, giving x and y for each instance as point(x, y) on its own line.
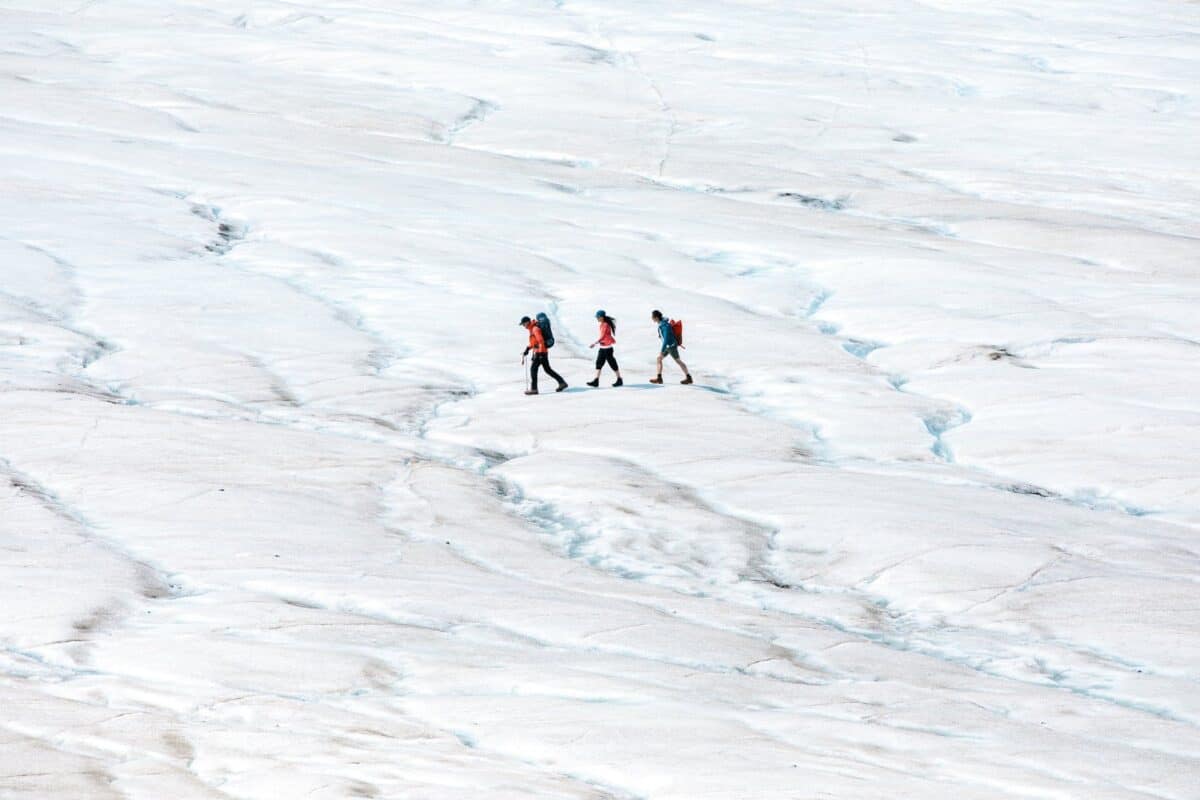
point(671, 342)
point(608, 327)
point(541, 356)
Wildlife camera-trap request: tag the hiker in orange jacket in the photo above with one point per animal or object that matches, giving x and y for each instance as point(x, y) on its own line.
point(541, 357)
point(670, 346)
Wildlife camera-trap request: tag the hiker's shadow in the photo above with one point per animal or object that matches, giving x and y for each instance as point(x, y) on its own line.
point(581, 389)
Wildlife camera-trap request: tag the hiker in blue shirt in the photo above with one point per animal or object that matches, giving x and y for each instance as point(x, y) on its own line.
point(670, 345)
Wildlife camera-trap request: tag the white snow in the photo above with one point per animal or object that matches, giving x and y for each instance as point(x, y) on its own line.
point(278, 522)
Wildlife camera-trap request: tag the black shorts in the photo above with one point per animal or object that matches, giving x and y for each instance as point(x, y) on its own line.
point(605, 356)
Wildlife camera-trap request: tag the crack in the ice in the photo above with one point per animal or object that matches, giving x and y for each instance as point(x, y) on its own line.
point(228, 233)
point(813, 201)
point(938, 423)
point(586, 52)
point(479, 111)
point(153, 582)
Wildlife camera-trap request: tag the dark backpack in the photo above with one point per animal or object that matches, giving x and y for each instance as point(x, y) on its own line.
point(543, 322)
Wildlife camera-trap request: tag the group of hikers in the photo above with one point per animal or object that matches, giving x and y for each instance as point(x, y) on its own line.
point(541, 339)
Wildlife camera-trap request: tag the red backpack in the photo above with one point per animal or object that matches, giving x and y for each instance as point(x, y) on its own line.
point(677, 329)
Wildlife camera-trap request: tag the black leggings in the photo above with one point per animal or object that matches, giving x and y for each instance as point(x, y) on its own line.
point(605, 356)
point(541, 360)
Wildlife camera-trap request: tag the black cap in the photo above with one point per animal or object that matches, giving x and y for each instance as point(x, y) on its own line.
point(525, 320)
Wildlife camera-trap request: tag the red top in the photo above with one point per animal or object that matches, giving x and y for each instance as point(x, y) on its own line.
point(606, 336)
point(537, 342)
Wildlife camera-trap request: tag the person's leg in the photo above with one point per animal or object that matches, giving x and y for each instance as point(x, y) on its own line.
point(533, 371)
point(687, 376)
point(612, 362)
point(595, 381)
point(550, 371)
point(658, 374)
point(674, 353)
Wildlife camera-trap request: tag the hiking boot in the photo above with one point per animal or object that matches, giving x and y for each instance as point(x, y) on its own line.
point(656, 380)
point(594, 384)
point(619, 382)
point(531, 391)
point(561, 386)
point(686, 380)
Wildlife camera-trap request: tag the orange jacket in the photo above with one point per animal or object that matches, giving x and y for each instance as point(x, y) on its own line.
point(537, 342)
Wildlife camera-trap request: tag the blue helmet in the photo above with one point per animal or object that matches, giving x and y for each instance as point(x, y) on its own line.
point(601, 313)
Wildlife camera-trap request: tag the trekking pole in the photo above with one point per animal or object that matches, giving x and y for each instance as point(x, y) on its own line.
point(525, 373)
